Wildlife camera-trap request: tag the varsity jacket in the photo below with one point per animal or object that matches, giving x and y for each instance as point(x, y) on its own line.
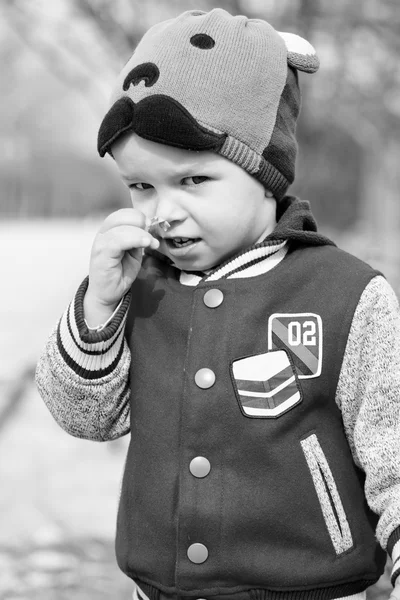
point(248, 468)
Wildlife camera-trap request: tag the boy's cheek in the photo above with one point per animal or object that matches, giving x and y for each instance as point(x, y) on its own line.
point(143, 208)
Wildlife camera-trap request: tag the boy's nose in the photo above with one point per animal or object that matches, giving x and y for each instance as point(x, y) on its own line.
point(169, 209)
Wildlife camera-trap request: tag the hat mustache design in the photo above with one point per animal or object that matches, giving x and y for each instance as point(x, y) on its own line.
point(160, 119)
point(211, 81)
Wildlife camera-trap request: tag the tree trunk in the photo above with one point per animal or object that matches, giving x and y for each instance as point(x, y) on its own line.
point(380, 209)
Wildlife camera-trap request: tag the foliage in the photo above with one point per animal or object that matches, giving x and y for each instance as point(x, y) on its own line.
point(67, 53)
point(68, 57)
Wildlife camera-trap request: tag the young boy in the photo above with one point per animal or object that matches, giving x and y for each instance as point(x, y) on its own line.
point(255, 364)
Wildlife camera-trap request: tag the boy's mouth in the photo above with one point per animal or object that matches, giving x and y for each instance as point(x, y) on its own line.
point(180, 242)
point(179, 247)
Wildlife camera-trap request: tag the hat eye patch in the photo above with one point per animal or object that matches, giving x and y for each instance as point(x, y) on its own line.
point(147, 72)
point(202, 41)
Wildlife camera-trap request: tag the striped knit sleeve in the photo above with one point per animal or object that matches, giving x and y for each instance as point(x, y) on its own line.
point(83, 375)
point(368, 395)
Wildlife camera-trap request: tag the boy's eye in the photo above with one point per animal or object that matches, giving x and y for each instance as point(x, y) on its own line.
point(196, 179)
point(140, 186)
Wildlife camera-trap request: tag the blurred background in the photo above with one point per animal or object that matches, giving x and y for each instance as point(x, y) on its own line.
point(59, 59)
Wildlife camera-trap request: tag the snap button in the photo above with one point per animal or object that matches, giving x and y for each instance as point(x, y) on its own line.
point(197, 553)
point(213, 298)
point(200, 466)
point(204, 378)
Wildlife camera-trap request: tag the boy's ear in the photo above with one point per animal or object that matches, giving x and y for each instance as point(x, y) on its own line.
point(301, 54)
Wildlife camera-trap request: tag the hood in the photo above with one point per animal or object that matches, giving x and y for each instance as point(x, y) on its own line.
point(296, 222)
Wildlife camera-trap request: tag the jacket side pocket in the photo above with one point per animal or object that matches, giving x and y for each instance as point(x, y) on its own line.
point(328, 495)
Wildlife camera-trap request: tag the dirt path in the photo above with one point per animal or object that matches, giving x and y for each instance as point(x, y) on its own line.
point(58, 507)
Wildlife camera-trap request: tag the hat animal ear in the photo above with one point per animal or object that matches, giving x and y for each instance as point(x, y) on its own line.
point(301, 54)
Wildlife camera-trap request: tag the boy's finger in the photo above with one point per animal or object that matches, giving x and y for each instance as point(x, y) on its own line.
point(122, 238)
point(124, 216)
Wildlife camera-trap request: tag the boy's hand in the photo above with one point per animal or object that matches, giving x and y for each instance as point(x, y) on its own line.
point(115, 262)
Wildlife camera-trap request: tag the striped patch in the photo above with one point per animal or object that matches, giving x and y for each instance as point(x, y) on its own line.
point(301, 333)
point(266, 384)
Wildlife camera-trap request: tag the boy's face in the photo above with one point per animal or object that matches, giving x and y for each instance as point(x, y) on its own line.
point(215, 209)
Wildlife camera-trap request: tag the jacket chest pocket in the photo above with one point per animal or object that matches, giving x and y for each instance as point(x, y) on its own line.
point(266, 385)
point(328, 495)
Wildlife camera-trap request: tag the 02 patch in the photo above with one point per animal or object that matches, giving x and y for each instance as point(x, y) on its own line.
point(266, 384)
point(301, 333)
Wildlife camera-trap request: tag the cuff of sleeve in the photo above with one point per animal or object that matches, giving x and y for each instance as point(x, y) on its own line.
point(101, 327)
point(110, 327)
point(91, 354)
point(393, 549)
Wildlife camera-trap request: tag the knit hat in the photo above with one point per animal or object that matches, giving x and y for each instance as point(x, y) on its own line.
point(211, 81)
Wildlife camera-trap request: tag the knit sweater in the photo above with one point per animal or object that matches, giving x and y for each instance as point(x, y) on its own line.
point(83, 376)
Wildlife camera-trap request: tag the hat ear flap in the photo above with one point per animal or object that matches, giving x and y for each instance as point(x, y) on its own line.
point(301, 54)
